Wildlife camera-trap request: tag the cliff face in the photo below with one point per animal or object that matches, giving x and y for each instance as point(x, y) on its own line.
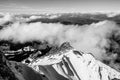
point(5, 72)
point(70, 64)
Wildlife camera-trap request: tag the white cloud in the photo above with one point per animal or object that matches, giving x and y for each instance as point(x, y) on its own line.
point(87, 38)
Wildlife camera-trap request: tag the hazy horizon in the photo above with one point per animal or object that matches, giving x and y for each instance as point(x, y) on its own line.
point(56, 6)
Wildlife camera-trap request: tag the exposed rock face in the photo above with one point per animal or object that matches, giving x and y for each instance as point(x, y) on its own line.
point(66, 63)
point(5, 72)
point(18, 52)
point(10, 70)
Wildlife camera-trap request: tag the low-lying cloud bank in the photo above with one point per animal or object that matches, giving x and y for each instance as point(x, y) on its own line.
point(87, 38)
point(5, 18)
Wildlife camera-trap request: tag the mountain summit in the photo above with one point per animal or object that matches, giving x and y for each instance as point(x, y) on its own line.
point(66, 63)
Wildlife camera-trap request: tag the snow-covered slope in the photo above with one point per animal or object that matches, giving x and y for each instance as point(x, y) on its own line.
point(66, 63)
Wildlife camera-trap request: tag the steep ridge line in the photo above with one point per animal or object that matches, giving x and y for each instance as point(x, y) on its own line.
point(70, 64)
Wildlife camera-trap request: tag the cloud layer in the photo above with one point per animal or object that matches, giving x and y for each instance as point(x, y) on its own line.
point(87, 38)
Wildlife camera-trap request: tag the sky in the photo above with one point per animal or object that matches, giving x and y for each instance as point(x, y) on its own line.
point(56, 6)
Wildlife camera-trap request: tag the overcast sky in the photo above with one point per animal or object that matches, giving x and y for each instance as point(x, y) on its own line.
point(41, 6)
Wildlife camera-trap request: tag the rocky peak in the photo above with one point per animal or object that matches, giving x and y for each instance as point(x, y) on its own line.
point(65, 46)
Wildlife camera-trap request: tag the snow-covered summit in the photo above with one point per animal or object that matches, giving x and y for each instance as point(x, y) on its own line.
point(70, 64)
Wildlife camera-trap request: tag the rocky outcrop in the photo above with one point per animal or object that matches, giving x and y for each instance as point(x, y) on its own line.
point(66, 63)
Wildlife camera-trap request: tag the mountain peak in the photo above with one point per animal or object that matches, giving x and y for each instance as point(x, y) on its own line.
point(70, 64)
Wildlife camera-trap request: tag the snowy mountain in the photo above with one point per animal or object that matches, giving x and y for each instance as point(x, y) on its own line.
point(69, 64)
